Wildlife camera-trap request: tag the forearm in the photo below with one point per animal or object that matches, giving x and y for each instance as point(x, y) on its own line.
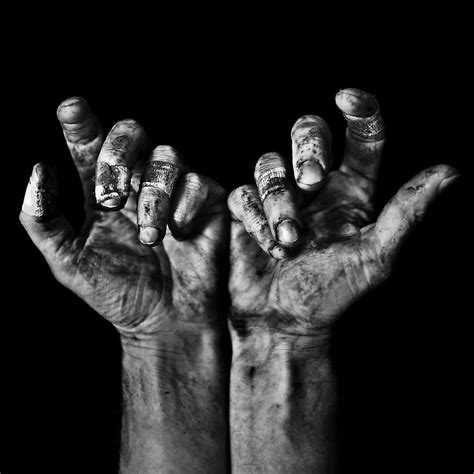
point(175, 392)
point(282, 405)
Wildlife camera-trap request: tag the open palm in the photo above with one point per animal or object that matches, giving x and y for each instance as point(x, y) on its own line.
point(139, 288)
point(341, 252)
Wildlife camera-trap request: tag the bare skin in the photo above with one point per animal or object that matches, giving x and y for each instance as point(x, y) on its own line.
point(165, 298)
point(288, 288)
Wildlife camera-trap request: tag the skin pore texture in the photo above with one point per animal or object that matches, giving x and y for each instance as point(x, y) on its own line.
point(165, 298)
point(284, 304)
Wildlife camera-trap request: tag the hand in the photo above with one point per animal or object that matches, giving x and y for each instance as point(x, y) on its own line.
point(303, 251)
point(159, 284)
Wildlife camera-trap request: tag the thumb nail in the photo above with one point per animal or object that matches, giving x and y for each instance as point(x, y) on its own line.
point(447, 182)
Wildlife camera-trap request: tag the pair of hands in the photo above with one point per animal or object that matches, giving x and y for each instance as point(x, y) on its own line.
point(298, 257)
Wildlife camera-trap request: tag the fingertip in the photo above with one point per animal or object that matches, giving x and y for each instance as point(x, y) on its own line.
point(447, 182)
point(231, 200)
point(73, 110)
point(356, 102)
point(39, 171)
point(288, 232)
point(167, 153)
point(267, 162)
point(310, 175)
point(112, 202)
point(150, 236)
point(446, 170)
point(234, 200)
point(434, 175)
point(41, 193)
point(445, 174)
point(278, 252)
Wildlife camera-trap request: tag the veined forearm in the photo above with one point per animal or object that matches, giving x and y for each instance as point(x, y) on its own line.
point(282, 406)
point(175, 406)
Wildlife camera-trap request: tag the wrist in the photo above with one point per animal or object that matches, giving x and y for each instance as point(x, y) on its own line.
point(284, 385)
point(260, 345)
point(169, 354)
point(173, 331)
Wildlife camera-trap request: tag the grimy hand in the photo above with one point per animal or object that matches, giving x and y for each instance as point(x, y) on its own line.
point(159, 284)
point(303, 250)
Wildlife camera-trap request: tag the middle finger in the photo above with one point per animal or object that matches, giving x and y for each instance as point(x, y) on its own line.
point(278, 198)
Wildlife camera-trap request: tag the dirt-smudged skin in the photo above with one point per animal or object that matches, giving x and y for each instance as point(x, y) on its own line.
point(167, 298)
point(283, 310)
point(245, 204)
point(277, 195)
point(159, 180)
point(124, 146)
point(311, 147)
point(41, 195)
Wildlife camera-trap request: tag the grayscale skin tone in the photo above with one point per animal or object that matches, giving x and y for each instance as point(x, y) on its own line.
point(289, 284)
point(161, 287)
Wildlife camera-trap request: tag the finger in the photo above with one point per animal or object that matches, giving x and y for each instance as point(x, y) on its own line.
point(277, 195)
point(311, 145)
point(365, 134)
point(158, 182)
point(123, 146)
point(193, 195)
point(84, 139)
point(48, 230)
point(408, 207)
point(245, 205)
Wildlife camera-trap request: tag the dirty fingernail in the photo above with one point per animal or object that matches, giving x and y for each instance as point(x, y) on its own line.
point(149, 235)
point(111, 202)
point(447, 182)
point(310, 174)
point(278, 252)
point(287, 232)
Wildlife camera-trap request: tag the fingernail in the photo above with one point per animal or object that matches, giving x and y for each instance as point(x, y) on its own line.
point(287, 232)
point(447, 182)
point(278, 252)
point(310, 174)
point(73, 110)
point(111, 202)
point(149, 235)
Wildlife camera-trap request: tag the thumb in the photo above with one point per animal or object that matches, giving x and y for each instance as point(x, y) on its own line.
point(49, 231)
point(408, 207)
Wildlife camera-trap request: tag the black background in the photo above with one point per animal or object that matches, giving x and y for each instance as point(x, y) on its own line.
point(399, 351)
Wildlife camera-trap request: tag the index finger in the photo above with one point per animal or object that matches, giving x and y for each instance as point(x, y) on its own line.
point(124, 144)
point(84, 138)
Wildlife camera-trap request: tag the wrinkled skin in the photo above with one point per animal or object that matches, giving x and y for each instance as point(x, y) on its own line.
point(165, 298)
point(343, 251)
point(336, 263)
point(286, 294)
point(142, 289)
